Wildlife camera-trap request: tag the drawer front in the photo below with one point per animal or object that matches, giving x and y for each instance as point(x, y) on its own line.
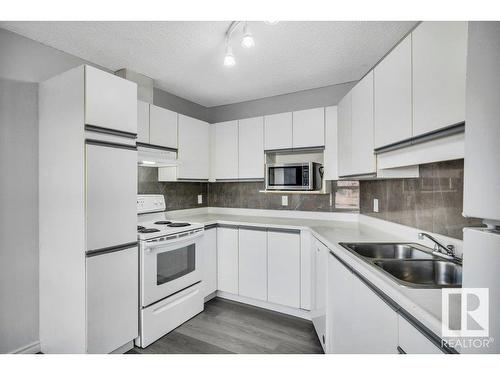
point(162, 317)
point(411, 341)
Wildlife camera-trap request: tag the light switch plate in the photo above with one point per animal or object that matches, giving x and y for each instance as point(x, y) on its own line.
point(284, 200)
point(200, 199)
point(375, 205)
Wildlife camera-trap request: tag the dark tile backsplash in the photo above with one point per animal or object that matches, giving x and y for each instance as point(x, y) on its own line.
point(433, 202)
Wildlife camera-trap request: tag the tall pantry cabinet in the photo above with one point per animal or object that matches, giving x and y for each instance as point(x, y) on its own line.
point(87, 212)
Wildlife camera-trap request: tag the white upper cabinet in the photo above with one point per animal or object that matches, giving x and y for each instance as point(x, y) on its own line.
point(194, 153)
point(363, 158)
point(226, 150)
point(142, 122)
point(393, 104)
point(278, 131)
point(309, 128)
point(110, 101)
point(344, 150)
point(253, 263)
point(251, 148)
point(162, 127)
point(330, 154)
point(439, 61)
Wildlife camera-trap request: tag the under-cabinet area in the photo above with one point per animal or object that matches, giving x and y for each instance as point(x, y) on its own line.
point(210, 187)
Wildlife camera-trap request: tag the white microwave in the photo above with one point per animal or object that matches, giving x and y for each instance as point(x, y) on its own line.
point(294, 176)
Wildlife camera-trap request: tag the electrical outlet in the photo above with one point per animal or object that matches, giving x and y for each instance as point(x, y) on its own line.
point(200, 199)
point(375, 205)
point(284, 200)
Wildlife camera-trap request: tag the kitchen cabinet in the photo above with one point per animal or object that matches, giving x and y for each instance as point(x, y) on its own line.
point(112, 294)
point(194, 151)
point(344, 135)
point(142, 122)
point(227, 259)
point(362, 156)
point(318, 313)
point(330, 155)
point(283, 267)
point(110, 101)
point(439, 52)
point(359, 321)
point(226, 150)
point(393, 96)
point(251, 148)
point(308, 128)
point(162, 127)
point(278, 131)
point(253, 263)
point(208, 245)
point(411, 341)
point(482, 132)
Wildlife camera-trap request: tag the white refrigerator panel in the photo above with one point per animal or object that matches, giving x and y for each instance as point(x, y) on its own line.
point(481, 270)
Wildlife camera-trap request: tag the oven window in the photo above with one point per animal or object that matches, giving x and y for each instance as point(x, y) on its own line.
point(174, 264)
point(285, 176)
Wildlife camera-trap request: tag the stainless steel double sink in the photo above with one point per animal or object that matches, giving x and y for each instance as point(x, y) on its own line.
point(409, 264)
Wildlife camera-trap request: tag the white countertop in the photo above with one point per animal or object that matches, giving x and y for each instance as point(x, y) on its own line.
point(423, 304)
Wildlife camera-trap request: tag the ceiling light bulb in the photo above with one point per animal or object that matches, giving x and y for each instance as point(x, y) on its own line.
point(229, 57)
point(271, 23)
point(247, 41)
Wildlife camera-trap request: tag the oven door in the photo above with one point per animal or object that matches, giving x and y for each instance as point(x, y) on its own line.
point(168, 267)
point(288, 177)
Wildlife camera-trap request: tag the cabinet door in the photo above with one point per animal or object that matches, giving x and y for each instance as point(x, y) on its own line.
point(253, 263)
point(309, 128)
point(392, 80)
point(411, 341)
point(142, 122)
point(344, 149)
point(251, 148)
point(194, 153)
point(278, 131)
point(359, 321)
point(208, 245)
point(439, 62)
point(283, 268)
point(227, 259)
point(330, 162)
point(363, 159)
point(112, 295)
point(226, 150)
point(162, 127)
point(110, 101)
point(318, 314)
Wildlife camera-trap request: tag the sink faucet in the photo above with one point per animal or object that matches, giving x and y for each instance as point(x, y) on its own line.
point(447, 251)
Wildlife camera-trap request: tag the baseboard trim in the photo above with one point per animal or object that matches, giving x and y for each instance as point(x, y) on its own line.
point(299, 313)
point(32, 348)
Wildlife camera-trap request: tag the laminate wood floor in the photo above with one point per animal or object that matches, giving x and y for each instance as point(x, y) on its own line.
point(231, 327)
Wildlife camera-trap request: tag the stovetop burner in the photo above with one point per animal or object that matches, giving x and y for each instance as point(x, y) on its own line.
point(140, 227)
point(163, 222)
point(176, 225)
point(148, 230)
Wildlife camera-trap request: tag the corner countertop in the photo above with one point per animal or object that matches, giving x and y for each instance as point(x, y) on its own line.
point(423, 304)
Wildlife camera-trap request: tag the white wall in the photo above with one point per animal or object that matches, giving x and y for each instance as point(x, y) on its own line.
point(18, 214)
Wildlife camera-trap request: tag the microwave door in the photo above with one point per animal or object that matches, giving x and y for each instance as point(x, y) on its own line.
point(285, 178)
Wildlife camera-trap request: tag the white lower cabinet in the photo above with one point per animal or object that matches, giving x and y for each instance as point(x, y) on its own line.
point(208, 244)
point(283, 267)
point(112, 295)
point(253, 263)
point(359, 321)
point(318, 311)
point(411, 341)
point(227, 259)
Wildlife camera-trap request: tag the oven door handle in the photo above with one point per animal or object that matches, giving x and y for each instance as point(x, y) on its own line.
point(152, 245)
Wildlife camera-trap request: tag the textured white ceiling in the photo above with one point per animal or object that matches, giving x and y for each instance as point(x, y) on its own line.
point(185, 58)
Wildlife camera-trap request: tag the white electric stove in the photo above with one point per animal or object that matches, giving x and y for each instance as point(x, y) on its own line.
point(170, 270)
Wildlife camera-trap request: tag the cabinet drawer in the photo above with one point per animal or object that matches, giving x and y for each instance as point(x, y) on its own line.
point(411, 341)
